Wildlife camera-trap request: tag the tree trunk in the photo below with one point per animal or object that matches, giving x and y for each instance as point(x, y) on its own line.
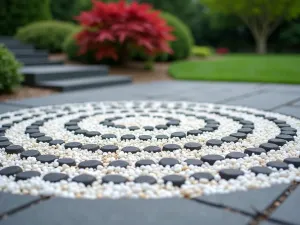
point(124, 55)
point(261, 44)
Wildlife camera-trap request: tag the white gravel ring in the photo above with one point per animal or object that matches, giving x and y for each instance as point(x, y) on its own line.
point(13, 126)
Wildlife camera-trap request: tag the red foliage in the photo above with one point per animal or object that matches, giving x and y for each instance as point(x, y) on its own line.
point(109, 27)
point(222, 51)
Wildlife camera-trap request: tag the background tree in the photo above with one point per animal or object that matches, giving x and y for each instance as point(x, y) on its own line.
point(262, 17)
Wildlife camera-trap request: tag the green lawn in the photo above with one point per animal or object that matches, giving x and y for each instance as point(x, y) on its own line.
point(247, 68)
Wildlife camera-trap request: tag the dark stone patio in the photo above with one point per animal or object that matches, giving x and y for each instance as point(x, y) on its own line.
point(234, 208)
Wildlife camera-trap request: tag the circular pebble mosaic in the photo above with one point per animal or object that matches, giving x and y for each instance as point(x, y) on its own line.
point(145, 150)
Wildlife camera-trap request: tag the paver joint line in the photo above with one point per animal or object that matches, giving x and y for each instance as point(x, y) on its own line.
point(265, 215)
point(20, 208)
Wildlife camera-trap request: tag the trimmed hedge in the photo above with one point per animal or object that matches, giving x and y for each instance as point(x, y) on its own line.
point(10, 77)
point(49, 35)
point(17, 13)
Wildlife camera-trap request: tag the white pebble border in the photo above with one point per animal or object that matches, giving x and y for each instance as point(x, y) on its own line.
point(264, 130)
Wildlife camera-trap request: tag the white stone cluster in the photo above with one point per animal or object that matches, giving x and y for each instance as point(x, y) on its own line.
point(264, 130)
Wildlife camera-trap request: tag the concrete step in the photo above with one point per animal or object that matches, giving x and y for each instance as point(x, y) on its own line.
point(35, 74)
point(85, 83)
point(39, 61)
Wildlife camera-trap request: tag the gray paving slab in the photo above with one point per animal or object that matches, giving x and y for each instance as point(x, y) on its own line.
point(289, 110)
point(9, 107)
point(251, 202)
point(289, 210)
point(265, 100)
point(297, 103)
point(126, 212)
point(10, 202)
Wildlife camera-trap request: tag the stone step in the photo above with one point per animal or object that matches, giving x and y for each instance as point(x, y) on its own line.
point(35, 74)
point(39, 61)
point(30, 54)
point(85, 83)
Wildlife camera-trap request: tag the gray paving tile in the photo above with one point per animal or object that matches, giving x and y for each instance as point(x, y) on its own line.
point(289, 110)
point(126, 212)
point(289, 210)
point(7, 107)
point(283, 88)
point(9, 202)
point(246, 201)
point(297, 103)
point(265, 100)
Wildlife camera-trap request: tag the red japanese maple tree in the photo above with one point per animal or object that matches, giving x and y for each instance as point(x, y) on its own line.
point(111, 30)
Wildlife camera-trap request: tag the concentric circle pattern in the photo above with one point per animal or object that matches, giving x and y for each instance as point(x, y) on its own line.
point(145, 150)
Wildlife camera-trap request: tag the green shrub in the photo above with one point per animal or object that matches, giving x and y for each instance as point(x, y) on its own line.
point(202, 51)
point(17, 13)
point(64, 10)
point(182, 46)
point(48, 35)
point(10, 77)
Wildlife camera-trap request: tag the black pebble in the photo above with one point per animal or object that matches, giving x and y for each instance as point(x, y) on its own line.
point(228, 174)
point(192, 146)
point(213, 126)
point(92, 133)
point(206, 129)
point(269, 146)
point(194, 162)
point(90, 147)
point(161, 127)
point(56, 142)
point(46, 158)
point(133, 128)
point(235, 155)
point(289, 129)
point(255, 151)
point(194, 132)
point(285, 137)
point(229, 139)
point(276, 141)
point(145, 137)
point(173, 123)
point(171, 147)
point(37, 135)
point(108, 136)
point(145, 179)
point(119, 163)
point(144, 162)
point(127, 137)
point(73, 128)
point(176, 180)
point(116, 179)
point(90, 164)
point(203, 175)
point(14, 149)
point(279, 121)
point(55, 177)
point(239, 135)
point(178, 135)
point(27, 175)
point(260, 170)
point(80, 131)
point(2, 139)
point(66, 161)
point(294, 161)
point(161, 136)
point(211, 159)
point(168, 162)
point(73, 145)
point(109, 148)
point(45, 139)
point(29, 153)
point(278, 165)
point(148, 128)
point(291, 133)
point(131, 149)
point(32, 131)
point(10, 171)
point(214, 142)
point(4, 144)
point(245, 130)
point(86, 179)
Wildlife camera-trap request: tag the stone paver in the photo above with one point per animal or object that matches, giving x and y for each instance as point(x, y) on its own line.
point(289, 110)
point(249, 201)
point(125, 212)
point(9, 107)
